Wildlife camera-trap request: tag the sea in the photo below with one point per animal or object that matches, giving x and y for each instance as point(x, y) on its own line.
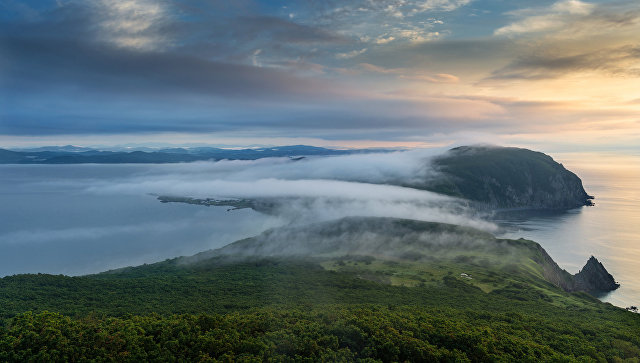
point(610, 230)
point(52, 221)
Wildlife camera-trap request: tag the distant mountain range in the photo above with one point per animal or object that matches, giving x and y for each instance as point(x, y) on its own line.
point(79, 155)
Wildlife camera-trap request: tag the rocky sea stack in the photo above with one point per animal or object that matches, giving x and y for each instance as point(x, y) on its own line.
point(594, 277)
point(508, 178)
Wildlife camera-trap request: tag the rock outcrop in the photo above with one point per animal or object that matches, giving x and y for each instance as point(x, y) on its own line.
point(594, 277)
point(507, 177)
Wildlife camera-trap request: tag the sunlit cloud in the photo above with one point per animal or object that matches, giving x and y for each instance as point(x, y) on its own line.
point(411, 74)
point(133, 23)
point(546, 18)
point(434, 78)
point(351, 54)
point(351, 72)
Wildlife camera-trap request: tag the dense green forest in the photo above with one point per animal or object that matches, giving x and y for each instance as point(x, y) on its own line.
point(471, 304)
point(330, 333)
point(279, 309)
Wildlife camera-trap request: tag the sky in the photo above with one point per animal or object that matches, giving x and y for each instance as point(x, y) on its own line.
point(560, 75)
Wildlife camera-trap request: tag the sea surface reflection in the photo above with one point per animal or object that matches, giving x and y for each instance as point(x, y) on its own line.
point(610, 230)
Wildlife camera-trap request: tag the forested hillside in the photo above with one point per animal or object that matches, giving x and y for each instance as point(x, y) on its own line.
point(465, 304)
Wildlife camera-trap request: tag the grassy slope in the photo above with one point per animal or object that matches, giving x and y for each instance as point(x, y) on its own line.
point(506, 307)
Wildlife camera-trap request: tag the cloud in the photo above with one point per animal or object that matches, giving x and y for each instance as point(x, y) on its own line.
point(377, 69)
point(441, 5)
point(401, 8)
point(434, 78)
point(412, 74)
point(393, 8)
point(378, 23)
point(351, 54)
point(37, 65)
point(380, 168)
point(574, 20)
point(312, 189)
point(133, 23)
point(104, 88)
point(275, 188)
point(546, 19)
point(572, 37)
point(363, 236)
point(140, 66)
point(384, 39)
point(553, 63)
point(416, 35)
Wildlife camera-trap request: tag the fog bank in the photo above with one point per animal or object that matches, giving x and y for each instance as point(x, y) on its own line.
point(312, 189)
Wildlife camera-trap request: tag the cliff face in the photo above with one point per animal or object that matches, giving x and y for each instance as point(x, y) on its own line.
point(552, 272)
point(505, 177)
point(594, 277)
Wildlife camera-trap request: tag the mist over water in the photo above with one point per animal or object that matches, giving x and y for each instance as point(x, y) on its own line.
point(79, 219)
point(50, 223)
point(313, 189)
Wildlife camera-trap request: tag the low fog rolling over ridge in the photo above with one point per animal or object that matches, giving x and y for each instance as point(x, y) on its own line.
point(313, 189)
point(366, 236)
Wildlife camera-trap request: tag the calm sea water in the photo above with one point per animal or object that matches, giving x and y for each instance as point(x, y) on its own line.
point(50, 221)
point(610, 230)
